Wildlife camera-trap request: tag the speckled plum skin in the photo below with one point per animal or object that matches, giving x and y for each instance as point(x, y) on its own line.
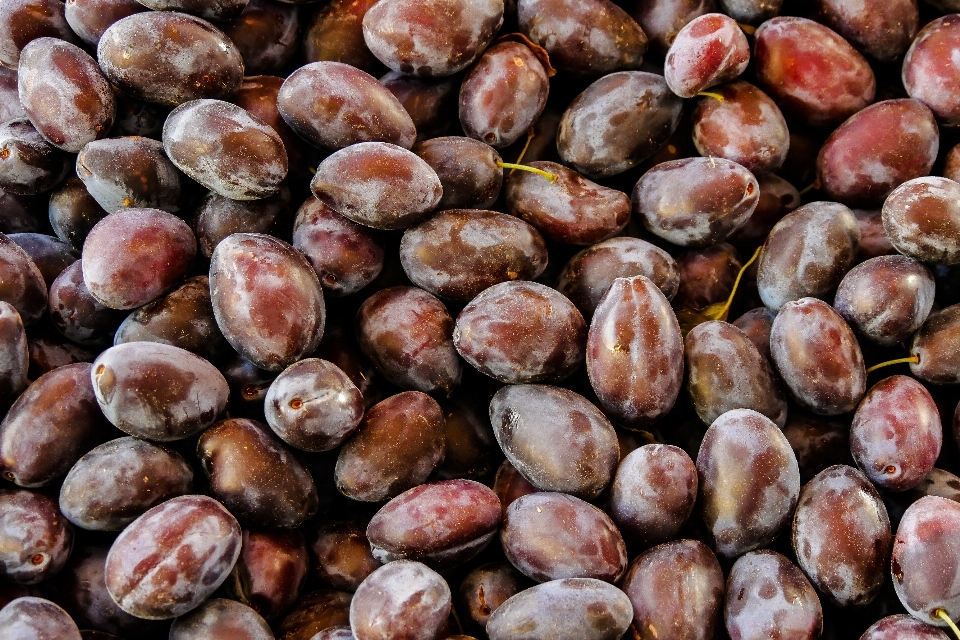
point(31, 618)
point(22, 285)
point(807, 253)
point(749, 481)
point(588, 38)
point(930, 68)
point(695, 202)
point(432, 38)
point(886, 298)
point(556, 438)
point(935, 344)
point(635, 352)
point(922, 219)
point(572, 210)
point(255, 476)
point(14, 354)
point(925, 563)
point(676, 587)
point(653, 493)
point(467, 169)
point(745, 127)
point(221, 619)
point(130, 171)
point(818, 357)
point(172, 558)
point(267, 299)
point(503, 94)
point(902, 627)
point(169, 58)
point(313, 405)
point(157, 391)
point(64, 93)
point(551, 536)
point(582, 608)
point(133, 256)
point(226, 149)
point(487, 587)
point(29, 165)
point(768, 595)
point(896, 433)
point(35, 538)
point(708, 51)
point(54, 422)
point(270, 572)
point(378, 184)
point(725, 371)
point(442, 524)
point(96, 501)
point(812, 73)
point(396, 447)
point(456, 254)
point(333, 105)
point(340, 554)
point(841, 535)
point(521, 332)
point(876, 150)
point(400, 599)
point(408, 335)
point(346, 256)
point(603, 132)
point(590, 274)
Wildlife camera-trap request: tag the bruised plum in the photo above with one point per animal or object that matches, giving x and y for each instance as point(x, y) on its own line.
point(457, 254)
point(157, 391)
point(408, 335)
point(635, 352)
point(442, 524)
point(267, 299)
point(172, 558)
point(841, 535)
point(521, 332)
point(749, 481)
point(142, 475)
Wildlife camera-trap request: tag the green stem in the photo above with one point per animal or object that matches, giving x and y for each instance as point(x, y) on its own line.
point(509, 165)
point(913, 359)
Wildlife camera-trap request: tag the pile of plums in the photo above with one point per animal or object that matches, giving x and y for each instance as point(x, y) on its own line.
point(468, 319)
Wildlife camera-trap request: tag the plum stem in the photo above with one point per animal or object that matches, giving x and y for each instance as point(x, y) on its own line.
point(913, 359)
point(690, 318)
point(747, 29)
point(942, 614)
point(509, 165)
point(710, 94)
point(530, 135)
point(810, 187)
point(456, 618)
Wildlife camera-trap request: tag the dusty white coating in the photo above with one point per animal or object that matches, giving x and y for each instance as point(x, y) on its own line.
point(692, 64)
point(931, 68)
point(761, 604)
point(807, 253)
point(32, 618)
point(226, 149)
point(219, 617)
point(746, 127)
point(749, 481)
point(400, 590)
point(129, 378)
point(922, 219)
point(69, 111)
point(451, 37)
